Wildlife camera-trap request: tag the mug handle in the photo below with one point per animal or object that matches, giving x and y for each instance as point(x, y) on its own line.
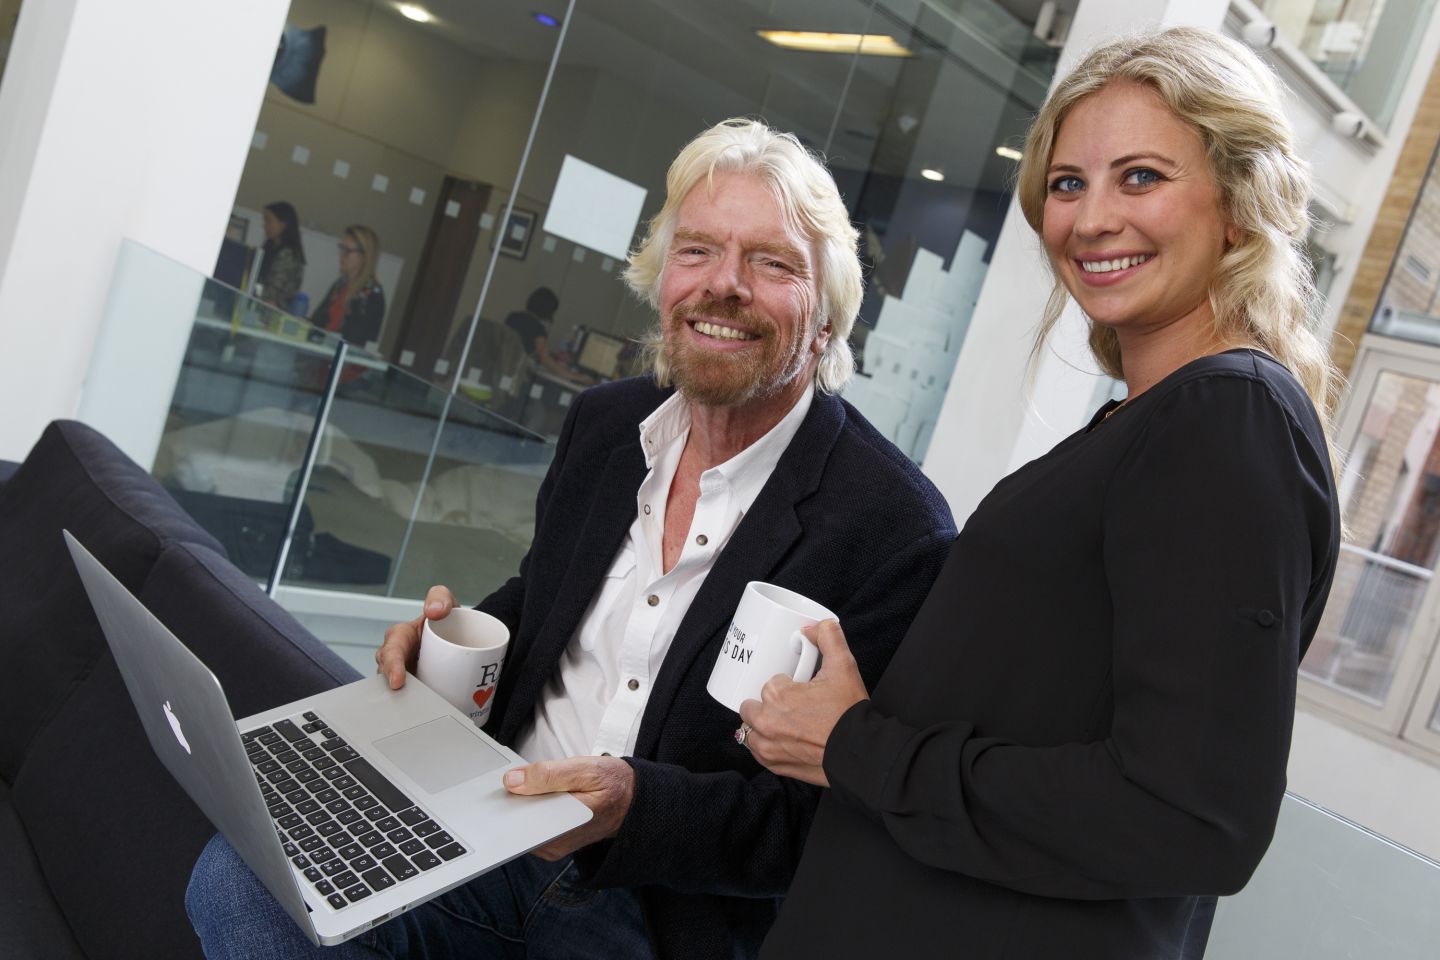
point(809, 657)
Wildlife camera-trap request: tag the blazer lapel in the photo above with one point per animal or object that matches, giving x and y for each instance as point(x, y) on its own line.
point(753, 552)
point(596, 542)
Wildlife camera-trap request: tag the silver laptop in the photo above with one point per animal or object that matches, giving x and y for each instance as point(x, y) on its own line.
point(351, 806)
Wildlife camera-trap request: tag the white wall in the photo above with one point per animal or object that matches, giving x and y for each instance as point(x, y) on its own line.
point(121, 120)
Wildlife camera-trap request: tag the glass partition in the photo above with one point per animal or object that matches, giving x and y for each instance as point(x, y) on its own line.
point(245, 405)
point(414, 487)
point(1366, 46)
point(9, 16)
point(1330, 890)
point(391, 484)
point(508, 159)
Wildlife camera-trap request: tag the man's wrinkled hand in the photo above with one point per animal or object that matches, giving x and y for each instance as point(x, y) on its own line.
point(401, 649)
point(604, 784)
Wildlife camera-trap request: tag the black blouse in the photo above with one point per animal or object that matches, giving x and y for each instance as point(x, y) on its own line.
point(1087, 725)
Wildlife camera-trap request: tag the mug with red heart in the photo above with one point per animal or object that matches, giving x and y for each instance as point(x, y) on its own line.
point(460, 659)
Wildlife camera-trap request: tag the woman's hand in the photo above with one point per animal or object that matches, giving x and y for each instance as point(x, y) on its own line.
point(791, 722)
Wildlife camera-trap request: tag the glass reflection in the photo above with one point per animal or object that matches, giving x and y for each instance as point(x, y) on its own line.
point(1390, 493)
point(1365, 46)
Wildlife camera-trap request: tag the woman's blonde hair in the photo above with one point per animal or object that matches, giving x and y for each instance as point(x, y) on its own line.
point(811, 205)
point(1263, 292)
point(369, 243)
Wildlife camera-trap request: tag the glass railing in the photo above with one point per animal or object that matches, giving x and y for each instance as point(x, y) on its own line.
point(1366, 47)
point(316, 464)
point(1329, 889)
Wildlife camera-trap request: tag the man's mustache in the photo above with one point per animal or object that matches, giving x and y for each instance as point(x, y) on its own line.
point(723, 310)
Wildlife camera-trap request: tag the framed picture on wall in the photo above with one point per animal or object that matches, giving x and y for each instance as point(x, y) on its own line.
point(515, 238)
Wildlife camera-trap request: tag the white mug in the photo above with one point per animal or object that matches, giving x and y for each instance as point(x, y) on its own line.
point(460, 659)
point(764, 639)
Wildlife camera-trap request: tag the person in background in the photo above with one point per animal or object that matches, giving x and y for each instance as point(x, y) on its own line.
point(354, 306)
point(282, 268)
point(533, 325)
point(1082, 739)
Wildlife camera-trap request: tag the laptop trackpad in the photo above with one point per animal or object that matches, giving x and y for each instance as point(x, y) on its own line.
point(440, 754)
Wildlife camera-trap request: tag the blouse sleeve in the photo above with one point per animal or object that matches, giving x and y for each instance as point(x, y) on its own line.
point(1217, 525)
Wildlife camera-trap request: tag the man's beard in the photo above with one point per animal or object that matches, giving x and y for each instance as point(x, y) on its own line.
point(721, 379)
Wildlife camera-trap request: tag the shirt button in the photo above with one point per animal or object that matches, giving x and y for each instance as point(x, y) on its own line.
point(633, 684)
point(647, 509)
point(702, 539)
point(652, 600)
point(605, 753)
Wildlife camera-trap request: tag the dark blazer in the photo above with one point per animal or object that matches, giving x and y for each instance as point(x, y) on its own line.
point(711, 839)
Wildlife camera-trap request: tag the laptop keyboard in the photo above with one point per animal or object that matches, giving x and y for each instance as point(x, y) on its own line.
point(348, 829)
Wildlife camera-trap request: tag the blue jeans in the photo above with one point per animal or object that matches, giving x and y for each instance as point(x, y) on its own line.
point(528, 908)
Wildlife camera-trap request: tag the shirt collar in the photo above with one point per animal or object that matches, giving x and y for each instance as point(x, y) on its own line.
point(747, 471)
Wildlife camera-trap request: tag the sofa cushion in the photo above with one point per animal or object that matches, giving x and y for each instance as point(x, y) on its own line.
point(230, 624)
point(31, 925)
point(73, 479)
point(114, 834)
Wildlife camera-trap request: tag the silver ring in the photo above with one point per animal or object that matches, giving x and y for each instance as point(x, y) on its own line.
point(742, 734)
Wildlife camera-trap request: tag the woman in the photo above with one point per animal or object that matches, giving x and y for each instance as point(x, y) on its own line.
point(282, 268)
point(1083, 737)
point(354, 306)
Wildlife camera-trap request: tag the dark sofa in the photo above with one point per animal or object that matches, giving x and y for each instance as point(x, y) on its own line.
point(96, 840)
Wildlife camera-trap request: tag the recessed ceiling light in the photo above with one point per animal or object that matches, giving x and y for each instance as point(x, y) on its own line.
point(930, 173)
point(1009, 153)
point(870, 44)
point(546, 19)
point(415, 12)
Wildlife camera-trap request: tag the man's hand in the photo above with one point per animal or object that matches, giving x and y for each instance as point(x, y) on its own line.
point(402, 641)
point(791, 722)
point(604, 784)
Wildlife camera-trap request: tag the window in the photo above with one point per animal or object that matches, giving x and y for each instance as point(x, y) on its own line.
point(460, 143)
point(1369, 657)
point(1367, 47)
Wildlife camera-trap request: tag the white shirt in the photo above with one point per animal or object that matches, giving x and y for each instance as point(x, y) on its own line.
point(593, 702)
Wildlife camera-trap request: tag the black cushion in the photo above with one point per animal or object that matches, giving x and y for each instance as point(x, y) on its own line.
point(7, 467)
point(31, 924)
point(73, 478)
point(115, 835)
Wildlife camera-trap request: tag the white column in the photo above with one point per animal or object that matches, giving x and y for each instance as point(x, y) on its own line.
point(990, 423)
point(120, 120)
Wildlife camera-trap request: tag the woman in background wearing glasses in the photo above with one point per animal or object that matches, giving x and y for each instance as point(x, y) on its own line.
point(354, 306)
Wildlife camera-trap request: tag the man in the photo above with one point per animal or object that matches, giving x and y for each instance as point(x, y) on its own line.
point(751, 469)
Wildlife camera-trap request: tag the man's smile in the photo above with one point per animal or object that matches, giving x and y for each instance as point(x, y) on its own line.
point(721, 332)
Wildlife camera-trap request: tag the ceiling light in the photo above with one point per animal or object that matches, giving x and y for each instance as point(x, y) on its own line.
point(930, 173)
point(545, 18)
point(1009, 153)
point(417, 13)
point(870, 44)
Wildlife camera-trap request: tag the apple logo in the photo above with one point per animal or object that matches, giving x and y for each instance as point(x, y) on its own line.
point(175, 726)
